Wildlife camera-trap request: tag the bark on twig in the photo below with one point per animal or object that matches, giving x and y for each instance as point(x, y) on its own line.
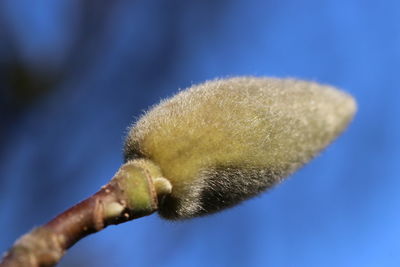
point(133, 192)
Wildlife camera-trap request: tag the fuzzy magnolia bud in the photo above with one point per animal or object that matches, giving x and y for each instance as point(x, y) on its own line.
point(224, 141)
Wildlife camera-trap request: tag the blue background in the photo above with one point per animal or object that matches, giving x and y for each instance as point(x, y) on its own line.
point(74, 74)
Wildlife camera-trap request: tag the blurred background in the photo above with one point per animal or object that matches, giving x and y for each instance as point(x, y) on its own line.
point(75, 73)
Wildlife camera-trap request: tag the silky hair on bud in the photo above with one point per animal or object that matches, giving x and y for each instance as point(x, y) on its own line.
point(226, 140)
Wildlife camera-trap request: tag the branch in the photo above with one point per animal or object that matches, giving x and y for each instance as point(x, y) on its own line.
point(133, 192)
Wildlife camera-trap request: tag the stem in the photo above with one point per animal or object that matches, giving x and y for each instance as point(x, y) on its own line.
point(133, 192)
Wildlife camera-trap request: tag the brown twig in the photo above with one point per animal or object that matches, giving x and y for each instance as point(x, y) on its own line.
point(133, 192)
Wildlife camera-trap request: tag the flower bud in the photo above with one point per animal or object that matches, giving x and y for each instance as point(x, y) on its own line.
point(226, 140)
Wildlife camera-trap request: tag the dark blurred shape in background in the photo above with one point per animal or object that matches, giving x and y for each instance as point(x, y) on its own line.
point(74, 74)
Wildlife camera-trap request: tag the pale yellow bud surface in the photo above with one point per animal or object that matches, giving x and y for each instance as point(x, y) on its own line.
point(226, 140)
